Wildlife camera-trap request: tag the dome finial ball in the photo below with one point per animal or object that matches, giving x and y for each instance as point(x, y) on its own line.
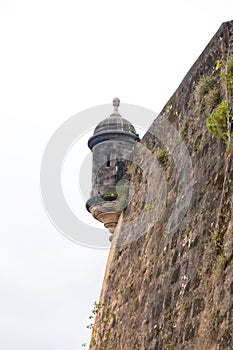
point(116, 102)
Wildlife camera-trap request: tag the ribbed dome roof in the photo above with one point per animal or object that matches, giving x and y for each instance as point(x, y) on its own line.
point(113, 124)
point(113, 127)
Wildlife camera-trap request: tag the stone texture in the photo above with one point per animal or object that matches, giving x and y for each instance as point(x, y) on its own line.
point(173, 290)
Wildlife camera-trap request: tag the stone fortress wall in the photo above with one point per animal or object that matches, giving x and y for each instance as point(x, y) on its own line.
point(173, 289)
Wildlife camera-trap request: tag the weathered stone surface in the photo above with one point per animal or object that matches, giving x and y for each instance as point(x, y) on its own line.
point(174, 290)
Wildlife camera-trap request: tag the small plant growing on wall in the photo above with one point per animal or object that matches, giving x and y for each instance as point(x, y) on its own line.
point(217, 121)
point(162, 156)
point(220, 120)
point(207, 92)
point(149, 208)
point(107, 318)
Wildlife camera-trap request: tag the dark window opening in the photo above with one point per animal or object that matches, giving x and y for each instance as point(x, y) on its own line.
point(119, 169)
point(108, 160)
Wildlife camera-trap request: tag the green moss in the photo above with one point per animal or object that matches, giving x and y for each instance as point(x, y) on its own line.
point(212, 98)
point(162, 156)
point(220, 119)
point(198, 143)
point(224, 260)
point(207, 93)
point(218, 65)
point(230, 74)
point(187, 231)
point(106, 318)
point(217, 238)
point(217, 121)
point(149, 208)
point(110, 196)
point(230, 66)
point(184, 131)
point(217, 313)
point(204, 86)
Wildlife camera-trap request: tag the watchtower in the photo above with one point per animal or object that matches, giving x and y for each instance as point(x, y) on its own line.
point(111, 144)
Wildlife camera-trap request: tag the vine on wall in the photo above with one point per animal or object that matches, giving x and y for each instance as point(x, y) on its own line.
point(220, 121)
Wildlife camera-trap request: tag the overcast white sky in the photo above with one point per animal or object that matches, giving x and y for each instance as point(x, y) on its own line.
point(58, 58)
